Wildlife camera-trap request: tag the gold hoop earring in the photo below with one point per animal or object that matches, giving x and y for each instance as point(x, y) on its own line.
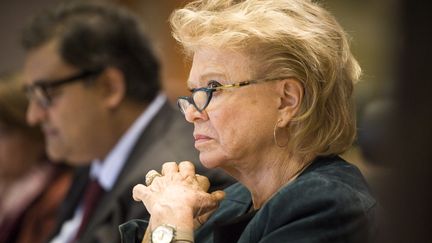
point(275, 136)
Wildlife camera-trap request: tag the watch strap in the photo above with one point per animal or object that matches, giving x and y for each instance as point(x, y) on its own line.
point(179, 235)
point(183, 236)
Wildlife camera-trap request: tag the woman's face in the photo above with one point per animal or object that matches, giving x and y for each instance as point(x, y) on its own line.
point(236, 128)
point(18, 152)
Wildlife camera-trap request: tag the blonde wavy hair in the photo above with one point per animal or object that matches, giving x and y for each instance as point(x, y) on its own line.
point(294, 38)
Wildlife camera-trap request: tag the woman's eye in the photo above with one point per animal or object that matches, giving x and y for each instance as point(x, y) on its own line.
point(213, 84)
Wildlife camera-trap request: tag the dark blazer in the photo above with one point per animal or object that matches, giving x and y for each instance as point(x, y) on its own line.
point(329, 202)
point(168, 137)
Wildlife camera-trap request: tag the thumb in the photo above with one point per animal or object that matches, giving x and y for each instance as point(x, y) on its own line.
point(201, 219)
point(138, 192)
point(218, 195)
point(203, 182)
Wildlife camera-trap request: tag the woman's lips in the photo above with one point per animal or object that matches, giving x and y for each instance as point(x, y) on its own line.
point(199, 138)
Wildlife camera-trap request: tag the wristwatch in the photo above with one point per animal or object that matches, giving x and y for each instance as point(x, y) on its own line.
point(168, 233)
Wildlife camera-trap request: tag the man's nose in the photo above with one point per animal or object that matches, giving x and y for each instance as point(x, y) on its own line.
point(35, 113)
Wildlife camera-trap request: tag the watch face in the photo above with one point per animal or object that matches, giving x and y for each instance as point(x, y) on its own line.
point(163, 234)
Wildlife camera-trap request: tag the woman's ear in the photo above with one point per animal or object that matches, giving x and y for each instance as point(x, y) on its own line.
point(113, 87)
point(291, 95)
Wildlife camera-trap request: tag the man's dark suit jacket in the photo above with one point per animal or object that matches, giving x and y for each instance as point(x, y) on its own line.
point(168, 137)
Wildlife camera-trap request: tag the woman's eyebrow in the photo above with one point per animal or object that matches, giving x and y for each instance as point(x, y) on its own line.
point(204, 78)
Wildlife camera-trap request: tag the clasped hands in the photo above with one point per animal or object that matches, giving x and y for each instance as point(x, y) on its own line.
point(177, 196)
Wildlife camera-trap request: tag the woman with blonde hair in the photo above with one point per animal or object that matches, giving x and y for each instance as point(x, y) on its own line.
point(271, 103)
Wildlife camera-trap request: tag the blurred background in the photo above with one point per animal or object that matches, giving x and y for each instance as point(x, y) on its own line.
point(371, 24)
point(392, 42)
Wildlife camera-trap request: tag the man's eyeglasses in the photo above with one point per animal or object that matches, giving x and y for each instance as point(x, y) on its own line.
point(201, 97)
point(41, 91)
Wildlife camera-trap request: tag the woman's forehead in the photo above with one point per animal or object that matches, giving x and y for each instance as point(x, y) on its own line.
point(219, 64)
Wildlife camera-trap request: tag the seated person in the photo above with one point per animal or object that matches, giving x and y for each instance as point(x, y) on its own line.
point(31, 187)
point(272, 105)
point(94, 86)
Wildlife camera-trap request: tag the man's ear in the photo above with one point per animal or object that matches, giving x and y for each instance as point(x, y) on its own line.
point(113, 87)
point(291, 95)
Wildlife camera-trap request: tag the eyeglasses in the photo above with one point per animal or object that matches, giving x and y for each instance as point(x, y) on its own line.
point(201, 97)
point(41, 91)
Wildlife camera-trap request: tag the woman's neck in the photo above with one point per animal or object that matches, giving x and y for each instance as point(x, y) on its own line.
point(266, 178)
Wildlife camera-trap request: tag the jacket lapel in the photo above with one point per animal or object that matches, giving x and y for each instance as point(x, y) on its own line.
point(134, 170)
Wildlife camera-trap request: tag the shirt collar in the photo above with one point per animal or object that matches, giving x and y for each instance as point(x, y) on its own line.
point(107, 171)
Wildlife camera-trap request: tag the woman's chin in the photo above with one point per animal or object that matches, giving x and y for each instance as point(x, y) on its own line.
point(210, 160)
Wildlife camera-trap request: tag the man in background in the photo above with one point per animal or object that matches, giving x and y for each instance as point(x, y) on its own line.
point(93, 85)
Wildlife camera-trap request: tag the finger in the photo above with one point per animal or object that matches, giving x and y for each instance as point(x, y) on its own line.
point(201, 219)
point(151, 175)
point(138, 192)
point(196, 223)
point(203, 182)
point(186, 169)
point(208, 202)
point(169, 168)
point(218, 196)
point(213, 202)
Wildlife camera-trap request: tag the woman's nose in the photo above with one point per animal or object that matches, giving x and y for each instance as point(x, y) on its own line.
point(192, 114)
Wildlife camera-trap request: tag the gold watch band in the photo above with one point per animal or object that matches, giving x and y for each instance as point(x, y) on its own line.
point(181, 236)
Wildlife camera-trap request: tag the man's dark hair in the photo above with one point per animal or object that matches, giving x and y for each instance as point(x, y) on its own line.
point(93, 36)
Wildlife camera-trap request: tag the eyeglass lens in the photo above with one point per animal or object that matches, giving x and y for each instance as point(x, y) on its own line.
point(183, 104)
point(37, 94)
point(200, 98)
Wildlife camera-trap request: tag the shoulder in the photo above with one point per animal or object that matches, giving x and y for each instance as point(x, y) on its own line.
point(171, 133)
point(332, 179)
point(330, 201)
point(167, 137)
point(328, 183)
